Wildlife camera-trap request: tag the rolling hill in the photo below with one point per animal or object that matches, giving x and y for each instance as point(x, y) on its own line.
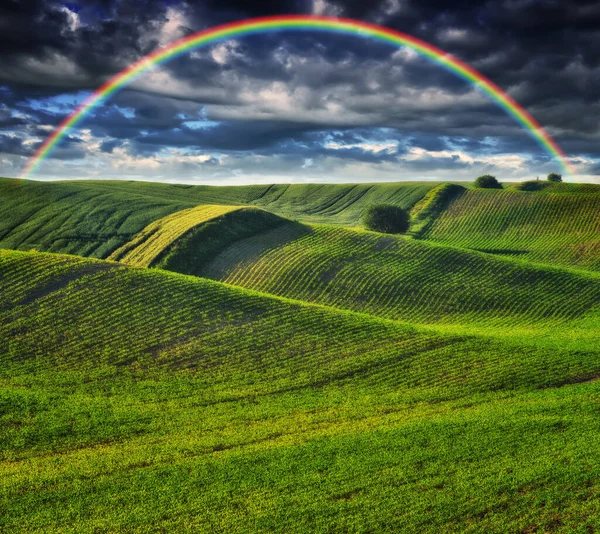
point(197, 406)
point(185, 240)
point(400, 278)
point(244, 359)
point(559, 225)
point(95, 218)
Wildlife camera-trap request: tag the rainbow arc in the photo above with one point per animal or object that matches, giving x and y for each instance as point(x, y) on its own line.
point(298, 23)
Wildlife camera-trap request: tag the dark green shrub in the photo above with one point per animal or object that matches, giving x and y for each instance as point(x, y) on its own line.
point(387, 219)
point(554, 177)
point(487, 181)
point(532, 185)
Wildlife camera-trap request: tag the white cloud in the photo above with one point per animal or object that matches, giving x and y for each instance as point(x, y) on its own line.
point(388, 9)
point(72, 18)
point(507, 162)
point(375, 148)
point(453, 35)
point(174, 27)
point(224, 52)
point(323, 7)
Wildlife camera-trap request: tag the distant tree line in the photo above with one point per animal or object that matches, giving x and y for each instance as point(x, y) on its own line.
point(487, 181)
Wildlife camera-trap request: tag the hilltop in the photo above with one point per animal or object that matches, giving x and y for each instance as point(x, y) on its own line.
point(95, 218)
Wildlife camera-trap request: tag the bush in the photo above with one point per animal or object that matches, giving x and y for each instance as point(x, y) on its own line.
point(532, 185)
point(487, 181)
point(386, 218)
point(554, 177)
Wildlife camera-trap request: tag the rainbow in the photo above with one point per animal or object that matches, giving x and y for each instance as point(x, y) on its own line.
point(297, 22)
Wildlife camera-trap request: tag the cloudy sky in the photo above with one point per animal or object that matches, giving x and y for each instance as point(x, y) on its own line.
point(293, 107)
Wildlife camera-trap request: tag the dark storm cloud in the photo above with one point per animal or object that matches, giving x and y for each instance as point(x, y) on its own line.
point(13, 145)
point(70, 149)
point(37, 33)
point(269, 139)
point(430, 163)
point(108, 146)
point(227, 136)
point(543, 52)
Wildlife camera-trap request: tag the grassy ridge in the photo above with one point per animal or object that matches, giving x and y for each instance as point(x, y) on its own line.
point(95, 218)
point(144, 249)
point(185, 240)
point(340, 204)
point(405, 279)
point(151, 401)
point(73, 217)
point(333, 203)
point(558, 225)
point(191, 252)
point(436, 200)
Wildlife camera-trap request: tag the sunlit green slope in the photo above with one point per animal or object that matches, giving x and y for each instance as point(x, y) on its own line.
point(64, 311)
point(411, 280)
point(140, 400)
point(559, 225)
point(185, 240)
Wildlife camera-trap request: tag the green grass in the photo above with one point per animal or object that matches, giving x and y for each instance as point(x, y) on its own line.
point(410, 280)
point(339, 381)
point(74, 217)
point(185, 240)
point(431, 206)
point(152, 242)
point(141, 400)
point(558, 225)
point(95, 218)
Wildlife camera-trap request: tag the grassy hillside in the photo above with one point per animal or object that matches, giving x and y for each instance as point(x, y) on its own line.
point(341, 204)
point(75, 218)
point(185, 240)
point(95, 218)
point(158, 236)
point(410, 280)
point(140, 400)
point(339, 381)
point(559, 225)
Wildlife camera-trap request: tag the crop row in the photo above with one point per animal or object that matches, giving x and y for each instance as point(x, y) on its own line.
point(239, 341)
point(399, 278)
point(554, 228)
point(151, 242)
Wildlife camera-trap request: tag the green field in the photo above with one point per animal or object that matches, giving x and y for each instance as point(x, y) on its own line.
point(95, 218)
point(302, 374)
point(557, 226)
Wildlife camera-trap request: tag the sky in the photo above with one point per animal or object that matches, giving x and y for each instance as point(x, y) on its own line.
point(300, 106)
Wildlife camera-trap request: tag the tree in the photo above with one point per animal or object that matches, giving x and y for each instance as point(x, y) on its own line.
point(387, 219)
point(487, 181)
point(554, 177)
